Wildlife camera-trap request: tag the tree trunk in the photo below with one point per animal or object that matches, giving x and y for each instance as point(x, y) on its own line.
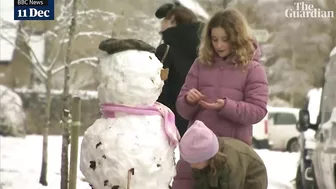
point(44, 167)
point(66, 102)
point(19, 70)
point(76, 115)
point(65, 143)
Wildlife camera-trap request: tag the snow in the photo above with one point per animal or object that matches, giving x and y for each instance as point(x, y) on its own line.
point(195, 7)
point(6, 49)
point(12, 116)
point(37, 45)
point(92, 61)
point(314, 96)
point(309, 136)
point(8, 30)
point(93, 33)
point(333, 52)
point(21, 164)
point(108, 15)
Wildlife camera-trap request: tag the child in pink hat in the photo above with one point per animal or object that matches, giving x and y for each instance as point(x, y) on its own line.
point(221, 162)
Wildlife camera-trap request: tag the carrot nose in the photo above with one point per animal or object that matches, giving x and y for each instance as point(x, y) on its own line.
point(164, 74)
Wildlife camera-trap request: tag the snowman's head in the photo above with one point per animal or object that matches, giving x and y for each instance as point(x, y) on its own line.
point(130, 73)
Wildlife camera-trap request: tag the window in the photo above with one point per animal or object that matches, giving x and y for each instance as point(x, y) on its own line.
point(281, 118)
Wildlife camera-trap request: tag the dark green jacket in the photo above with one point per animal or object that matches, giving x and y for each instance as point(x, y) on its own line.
point(244, 169)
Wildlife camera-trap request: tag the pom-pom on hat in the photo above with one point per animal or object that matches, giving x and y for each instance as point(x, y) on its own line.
point(198, 144)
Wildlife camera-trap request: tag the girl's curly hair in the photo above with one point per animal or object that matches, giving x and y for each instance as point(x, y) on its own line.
point(239, 36)
point(217, 161)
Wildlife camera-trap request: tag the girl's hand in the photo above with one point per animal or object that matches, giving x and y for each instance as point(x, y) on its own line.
point(219, 104)
point(194, 96)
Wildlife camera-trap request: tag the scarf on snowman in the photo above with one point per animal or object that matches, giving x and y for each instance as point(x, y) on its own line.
point(108, 110)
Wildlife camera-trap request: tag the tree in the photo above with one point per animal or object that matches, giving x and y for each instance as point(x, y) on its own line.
point(66, 101)
point(46, 69)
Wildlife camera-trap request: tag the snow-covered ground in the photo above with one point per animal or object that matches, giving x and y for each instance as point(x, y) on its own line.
point(20, 164)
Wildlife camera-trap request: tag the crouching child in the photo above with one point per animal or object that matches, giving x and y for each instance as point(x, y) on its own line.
point(221, 162)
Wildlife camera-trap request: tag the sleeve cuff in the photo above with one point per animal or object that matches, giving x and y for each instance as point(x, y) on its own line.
point(229, 109)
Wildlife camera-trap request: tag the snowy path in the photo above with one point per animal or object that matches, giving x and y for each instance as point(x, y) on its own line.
point(21, 163)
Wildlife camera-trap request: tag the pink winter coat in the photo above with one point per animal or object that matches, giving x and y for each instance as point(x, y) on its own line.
point(245, 93)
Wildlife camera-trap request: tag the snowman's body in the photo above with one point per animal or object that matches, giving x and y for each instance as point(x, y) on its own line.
point(115, 145)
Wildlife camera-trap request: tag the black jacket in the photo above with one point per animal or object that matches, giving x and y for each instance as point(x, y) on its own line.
point(183, 41)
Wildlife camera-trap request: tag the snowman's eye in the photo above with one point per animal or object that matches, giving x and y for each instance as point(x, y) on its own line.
point(150, 57)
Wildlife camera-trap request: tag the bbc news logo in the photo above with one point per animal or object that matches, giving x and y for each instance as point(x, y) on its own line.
point(34, 9)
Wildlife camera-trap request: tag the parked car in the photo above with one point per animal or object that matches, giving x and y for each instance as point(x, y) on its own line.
point(260, 134)
point(323, 170)
point(282, 128)
point(307, 141)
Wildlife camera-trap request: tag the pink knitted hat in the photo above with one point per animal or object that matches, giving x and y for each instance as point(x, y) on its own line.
point(198, 144)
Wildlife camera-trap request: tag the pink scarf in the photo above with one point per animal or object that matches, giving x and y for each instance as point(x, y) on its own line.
point(170, 129)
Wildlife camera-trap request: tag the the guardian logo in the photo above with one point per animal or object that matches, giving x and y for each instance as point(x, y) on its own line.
point(33, 9)
point(305, 10)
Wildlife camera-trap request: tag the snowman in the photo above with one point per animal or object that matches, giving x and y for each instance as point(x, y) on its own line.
point(132, 145)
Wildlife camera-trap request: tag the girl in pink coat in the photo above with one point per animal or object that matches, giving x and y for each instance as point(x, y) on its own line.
point(226, 87)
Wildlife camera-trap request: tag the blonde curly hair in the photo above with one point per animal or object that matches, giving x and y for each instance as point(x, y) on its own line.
point(219, 159)
point(239, 36)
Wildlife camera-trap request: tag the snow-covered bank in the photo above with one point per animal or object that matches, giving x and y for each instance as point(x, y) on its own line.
point(21, 163)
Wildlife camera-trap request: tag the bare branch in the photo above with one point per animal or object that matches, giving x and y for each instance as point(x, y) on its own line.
point(65, 14)
point(92, 61)
point(38, 63)
point(87, 59)
point(95, 11)
point(50, 33)
point(53, 62)
point(41, 71)
point(93, 33)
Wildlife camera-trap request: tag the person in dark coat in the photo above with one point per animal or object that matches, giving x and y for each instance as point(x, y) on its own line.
point(180, 32)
